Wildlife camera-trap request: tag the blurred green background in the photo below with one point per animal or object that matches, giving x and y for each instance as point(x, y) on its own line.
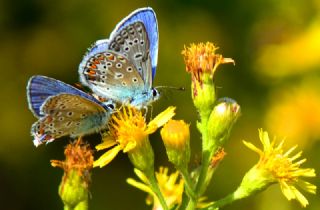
point(276, 80)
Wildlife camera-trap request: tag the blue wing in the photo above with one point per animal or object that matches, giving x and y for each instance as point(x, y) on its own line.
point(39, 88)
point(148, 17)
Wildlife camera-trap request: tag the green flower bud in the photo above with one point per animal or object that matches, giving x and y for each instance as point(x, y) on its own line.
point(222, 119)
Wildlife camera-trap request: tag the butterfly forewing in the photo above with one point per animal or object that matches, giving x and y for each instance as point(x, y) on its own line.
point(132, 41)
point(148, 17)
point(135, 39)
point(68, 115)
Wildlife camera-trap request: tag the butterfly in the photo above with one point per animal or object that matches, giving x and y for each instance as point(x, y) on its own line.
point(63, 110)
point(122, 68)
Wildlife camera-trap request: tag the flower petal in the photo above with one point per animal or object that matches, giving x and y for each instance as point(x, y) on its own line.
point(161, 119)
point(107, 142)
point(307, 186)
point(141, 176)
point(139, 185)
point(107, 157)
point(252, 147)
point(130, 145)
point(303, 201)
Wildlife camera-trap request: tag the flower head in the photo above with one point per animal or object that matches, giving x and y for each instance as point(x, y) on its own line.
point(128, 131)
point(73, 189)
point(201, 58)
point(170, 186)
point(79, 157)
point(276, 165)
point(202, 62)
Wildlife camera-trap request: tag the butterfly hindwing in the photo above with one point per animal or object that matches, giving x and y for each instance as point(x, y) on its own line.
point(68, 115)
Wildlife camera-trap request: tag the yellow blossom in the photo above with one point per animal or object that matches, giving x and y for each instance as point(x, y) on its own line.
point(276, 165)
point(170, 186)
point(128, 131)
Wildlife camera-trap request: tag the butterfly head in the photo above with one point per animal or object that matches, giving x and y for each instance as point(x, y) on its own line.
point(155, 94)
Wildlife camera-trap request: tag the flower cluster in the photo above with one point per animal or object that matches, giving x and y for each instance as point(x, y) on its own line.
point(128, 131)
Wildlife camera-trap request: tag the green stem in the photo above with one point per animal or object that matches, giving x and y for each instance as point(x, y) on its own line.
point(155, 188)
point(188, 183)
point(191, 205)
point(208, 149)
point(225, 201)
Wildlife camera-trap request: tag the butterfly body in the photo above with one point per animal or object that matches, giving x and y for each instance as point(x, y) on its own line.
point(122, 67)
point(64, 110)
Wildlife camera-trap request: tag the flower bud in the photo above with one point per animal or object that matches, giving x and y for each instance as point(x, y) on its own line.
point(222, 119)
point(176, 137)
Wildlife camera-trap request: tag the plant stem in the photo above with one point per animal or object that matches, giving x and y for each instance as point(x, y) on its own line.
point(224, 201)
point(188, 183)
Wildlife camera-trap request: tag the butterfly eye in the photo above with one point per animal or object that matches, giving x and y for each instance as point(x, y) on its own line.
point(111, 106)
point(155, 92)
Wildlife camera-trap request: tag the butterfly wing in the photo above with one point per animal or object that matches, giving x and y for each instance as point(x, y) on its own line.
point(99, 46)
point(39, 88)
point(136, 39)
point(132, 41)
point(113, 76)
point(68, 115)
point(148, 17)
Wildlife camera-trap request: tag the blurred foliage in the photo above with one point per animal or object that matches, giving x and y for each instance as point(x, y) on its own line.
point(276, 81)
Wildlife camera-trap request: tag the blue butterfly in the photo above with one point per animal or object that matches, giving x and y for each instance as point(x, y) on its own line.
point(122, 68)
point(63, 110)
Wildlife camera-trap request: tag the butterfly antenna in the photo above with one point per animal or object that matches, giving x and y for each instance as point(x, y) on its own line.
point(171, 88)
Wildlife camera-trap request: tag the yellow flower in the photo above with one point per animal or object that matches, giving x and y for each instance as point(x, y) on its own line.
point(170, 186)
point(282, 167)
point(129, 132)
point(201, 58)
